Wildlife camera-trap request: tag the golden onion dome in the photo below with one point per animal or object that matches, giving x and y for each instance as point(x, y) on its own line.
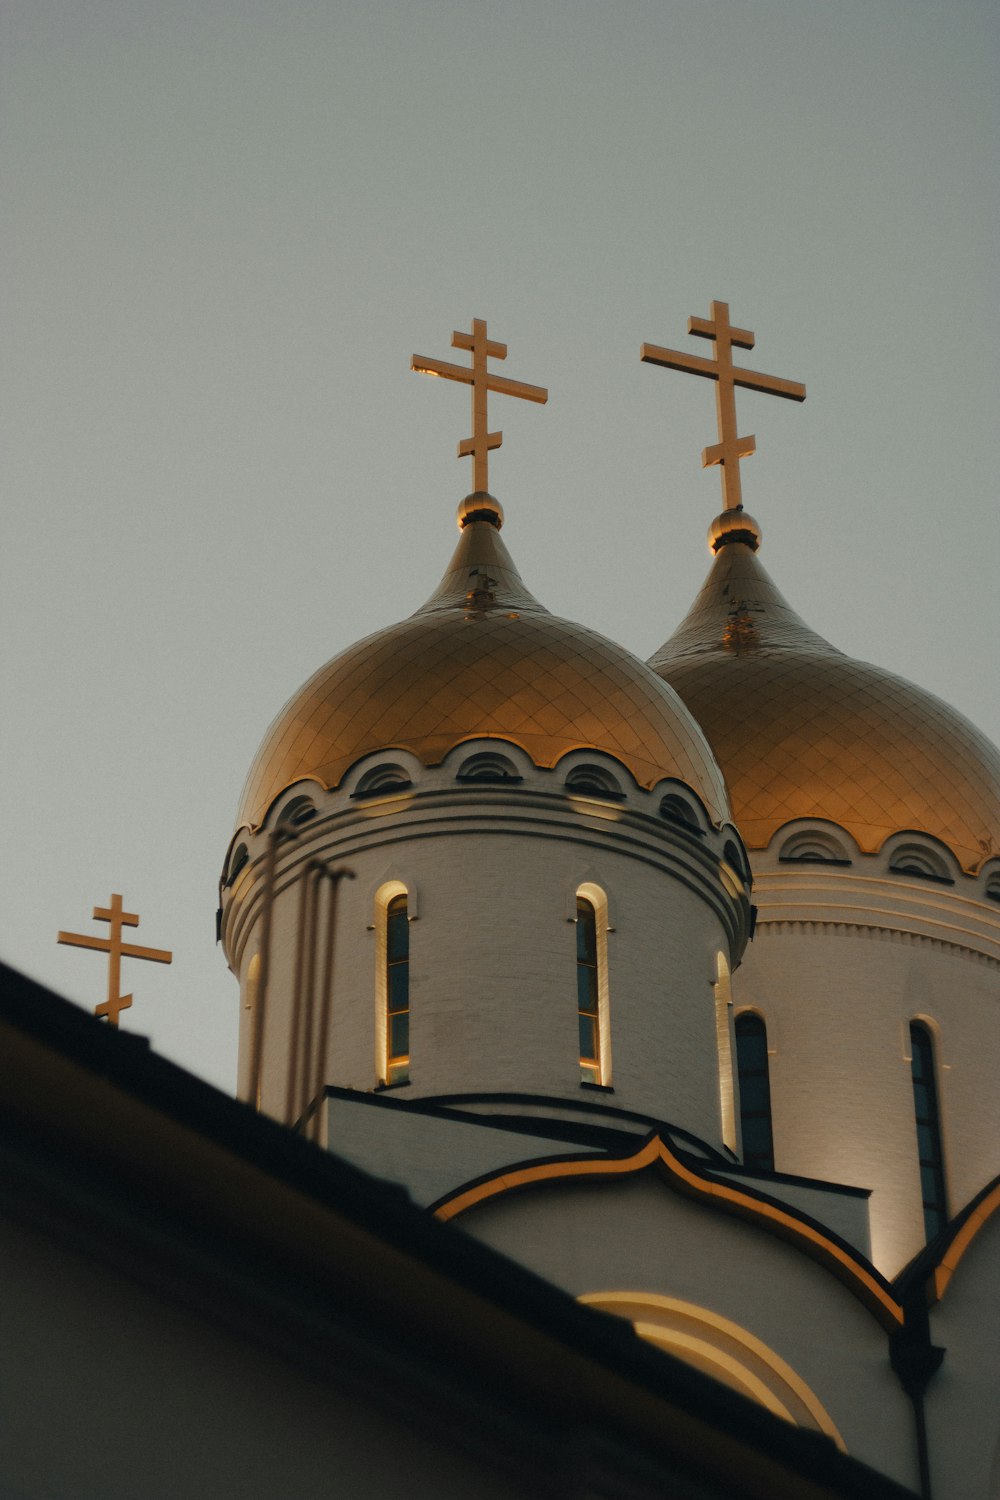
point(803, 731)
point(482, 659)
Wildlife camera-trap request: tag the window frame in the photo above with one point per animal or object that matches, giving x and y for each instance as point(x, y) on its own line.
point(595, 1072)
point(757, 1158)
point(397, 979)
point(391, 1069)
point(925, 1076)
point(725, 1042)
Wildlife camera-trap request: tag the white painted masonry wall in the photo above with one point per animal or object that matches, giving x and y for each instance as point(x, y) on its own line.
point(137, 1395)
point(843, 959)
point(638, 1235)
point(963, 1412)
point(492, 874)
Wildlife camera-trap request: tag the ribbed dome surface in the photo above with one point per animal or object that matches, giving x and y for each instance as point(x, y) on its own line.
point(803, 731)
point(482, 659)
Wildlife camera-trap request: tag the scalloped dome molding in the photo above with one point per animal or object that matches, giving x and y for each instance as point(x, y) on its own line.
point(803, 731)
point(482, 659)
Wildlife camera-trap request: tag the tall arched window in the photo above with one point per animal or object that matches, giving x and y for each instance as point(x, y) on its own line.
point(251, 991)
point(397, 991)
point(724, 1047)
point(592, 999)
point(925, 1104)
point(588, 991)
point(755, 1091)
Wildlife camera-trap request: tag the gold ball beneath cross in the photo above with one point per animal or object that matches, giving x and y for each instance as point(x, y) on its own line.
point(735, 525)
point(480, 506)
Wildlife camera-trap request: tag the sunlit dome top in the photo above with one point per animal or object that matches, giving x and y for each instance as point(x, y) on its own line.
point(482, 659)
point(803, 731)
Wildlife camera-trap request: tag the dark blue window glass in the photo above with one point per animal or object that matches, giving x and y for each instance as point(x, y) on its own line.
point(755, 1092)
point(925, 1105)
point(397, 990)
point(587, 991)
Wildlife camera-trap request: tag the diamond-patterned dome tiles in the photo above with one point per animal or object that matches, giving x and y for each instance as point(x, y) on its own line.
point(802, 731)
point(482, 659)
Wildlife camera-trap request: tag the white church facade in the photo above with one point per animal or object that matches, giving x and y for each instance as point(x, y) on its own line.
point(675, 984)
point(539, 1007)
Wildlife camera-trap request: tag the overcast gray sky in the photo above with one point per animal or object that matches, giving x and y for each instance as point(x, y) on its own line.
point(227, 227)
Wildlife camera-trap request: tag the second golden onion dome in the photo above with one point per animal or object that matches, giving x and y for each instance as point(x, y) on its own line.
point(482, 659)
point(803, 731)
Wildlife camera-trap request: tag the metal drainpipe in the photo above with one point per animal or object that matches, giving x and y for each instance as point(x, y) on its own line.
point(915, 1360)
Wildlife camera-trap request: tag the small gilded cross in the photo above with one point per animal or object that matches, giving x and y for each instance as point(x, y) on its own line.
point(116, 950)
point(728, 451)
point(482, 380)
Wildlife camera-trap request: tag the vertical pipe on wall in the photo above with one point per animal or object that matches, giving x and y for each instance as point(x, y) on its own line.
point(270, 871)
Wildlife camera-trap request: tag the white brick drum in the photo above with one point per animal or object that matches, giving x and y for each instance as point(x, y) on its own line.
point(844, 959)
point(492, 874)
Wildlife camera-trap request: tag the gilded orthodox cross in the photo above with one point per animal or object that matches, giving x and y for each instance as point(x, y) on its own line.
point(729, 449)
point(116, 950)
point(481, 380)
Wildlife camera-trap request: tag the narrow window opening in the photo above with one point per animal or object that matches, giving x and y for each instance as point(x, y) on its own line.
point(925, 1104)
point(588, 992)
point(755, 1092)
point(397, 991)
point(724, 1044)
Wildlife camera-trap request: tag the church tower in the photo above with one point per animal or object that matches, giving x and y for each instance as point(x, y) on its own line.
point(866, 1006)
point(489, 905)
point(872, 814)
point(487, 851)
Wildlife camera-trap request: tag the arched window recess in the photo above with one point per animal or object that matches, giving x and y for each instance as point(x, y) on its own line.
point(241, 858)
point(592, 1002)
point(677, 809)
point(383, 779)
point(723, 993)
point(755, 1091)
point(397, 989)
point(393, 914)
point(594, 781)
point(915, 857)
point(928, 1120)
point(489, 767)
point(813, 846)
point(736, 859)
point(296, 813)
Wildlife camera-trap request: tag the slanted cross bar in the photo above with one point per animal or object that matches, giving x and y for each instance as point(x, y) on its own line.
point(730, 448)
point(481, 380)
point(116, 950)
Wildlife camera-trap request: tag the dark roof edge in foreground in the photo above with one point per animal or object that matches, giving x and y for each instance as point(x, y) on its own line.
point(384, 1211)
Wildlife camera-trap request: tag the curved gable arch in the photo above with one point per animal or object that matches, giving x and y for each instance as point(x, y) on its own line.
point(723, 1349)
point(960, 1234)
point(859, 1276)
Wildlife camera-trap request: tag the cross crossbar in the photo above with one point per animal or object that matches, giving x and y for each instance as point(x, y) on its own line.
point(751, 380)
point(730, 448)
point(478, 446)
point(116, 950)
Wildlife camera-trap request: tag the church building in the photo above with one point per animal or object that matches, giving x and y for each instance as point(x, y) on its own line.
point(657, 1001)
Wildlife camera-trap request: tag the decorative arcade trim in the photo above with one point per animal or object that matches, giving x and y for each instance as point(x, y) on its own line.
point(859, 1277)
